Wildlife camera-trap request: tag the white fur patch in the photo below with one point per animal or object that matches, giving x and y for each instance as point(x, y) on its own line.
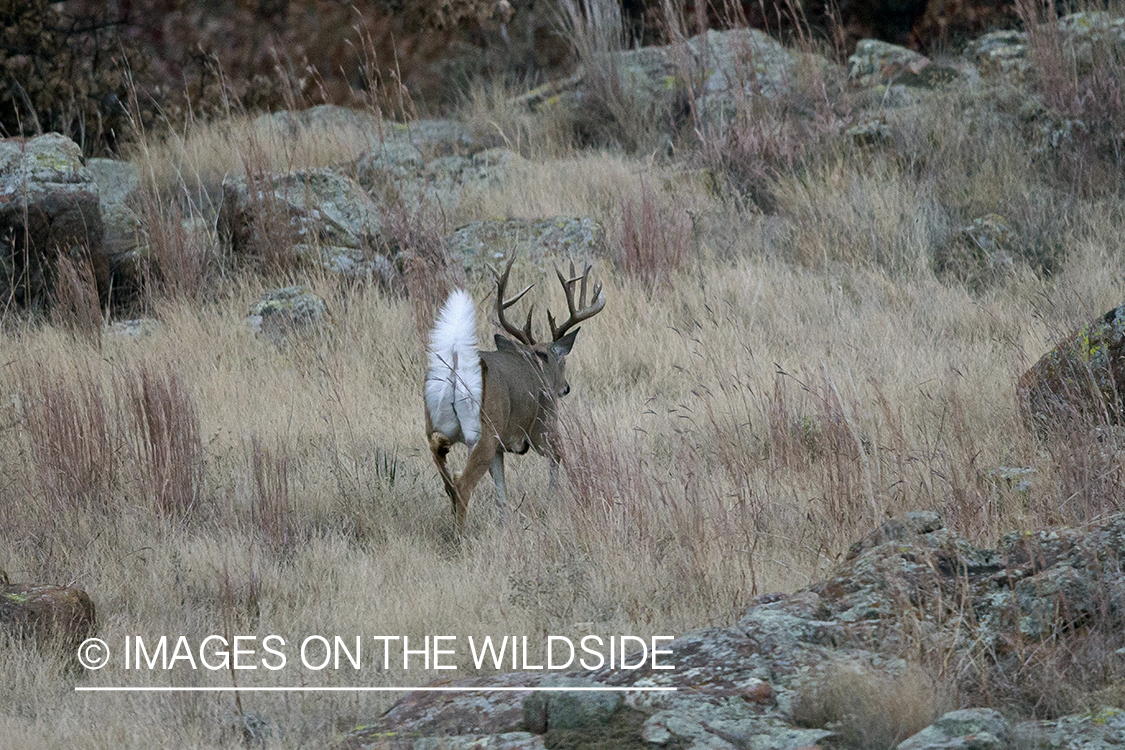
point(453, 380)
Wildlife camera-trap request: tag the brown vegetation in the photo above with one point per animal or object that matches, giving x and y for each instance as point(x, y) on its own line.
point(760, 391)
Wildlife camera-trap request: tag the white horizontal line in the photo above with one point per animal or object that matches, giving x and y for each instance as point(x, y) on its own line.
point(363, 689)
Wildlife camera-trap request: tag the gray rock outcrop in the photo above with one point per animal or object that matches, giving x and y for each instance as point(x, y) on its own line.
point(48, 204)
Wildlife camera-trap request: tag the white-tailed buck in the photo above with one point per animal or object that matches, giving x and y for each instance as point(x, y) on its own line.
point(503, 401)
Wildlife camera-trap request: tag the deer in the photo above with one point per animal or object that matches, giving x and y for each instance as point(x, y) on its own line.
point(502, 401)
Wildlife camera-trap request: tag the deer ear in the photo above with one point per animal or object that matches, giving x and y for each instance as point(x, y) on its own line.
point(504, 344)
point(563, 345)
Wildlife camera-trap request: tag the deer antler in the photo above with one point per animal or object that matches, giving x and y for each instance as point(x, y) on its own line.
point(523, 336)
point(583, 311)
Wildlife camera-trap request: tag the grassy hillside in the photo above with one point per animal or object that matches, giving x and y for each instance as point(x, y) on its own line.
point(761, 390)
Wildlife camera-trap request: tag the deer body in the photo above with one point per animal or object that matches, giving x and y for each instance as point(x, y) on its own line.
point(497, 402)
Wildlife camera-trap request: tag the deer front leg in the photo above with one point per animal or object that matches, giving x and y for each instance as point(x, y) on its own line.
point(497, 472)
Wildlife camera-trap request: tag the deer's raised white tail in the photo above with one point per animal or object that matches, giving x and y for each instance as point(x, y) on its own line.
point(453, 380)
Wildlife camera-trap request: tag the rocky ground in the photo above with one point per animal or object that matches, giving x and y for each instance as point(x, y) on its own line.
point(910, 585)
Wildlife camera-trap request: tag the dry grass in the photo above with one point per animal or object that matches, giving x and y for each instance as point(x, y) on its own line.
point(759, 393)
point(871, 709)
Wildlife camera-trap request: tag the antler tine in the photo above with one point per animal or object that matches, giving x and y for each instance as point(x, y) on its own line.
point(527, 325)
point(582, 311)
point(523, 336)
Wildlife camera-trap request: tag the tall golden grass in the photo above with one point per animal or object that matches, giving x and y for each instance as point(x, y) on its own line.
point(759, 392)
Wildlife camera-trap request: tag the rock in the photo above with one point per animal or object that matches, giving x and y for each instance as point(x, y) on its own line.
point(287, 310)
point(542, 242)
point(875, 62)
point(1001, 53)
point(724, 67)
point(118, 185)
point(871, 132)
point(1081, 378)
point(1103, 729)
point(568, 710)
point(45, 180)
point(970, 729)
point(979, 255)
point(55, 615)
point(316, 208)
point(136, 328)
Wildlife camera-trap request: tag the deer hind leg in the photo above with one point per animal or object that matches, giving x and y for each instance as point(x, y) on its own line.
point(480, 459)
point(439, 448)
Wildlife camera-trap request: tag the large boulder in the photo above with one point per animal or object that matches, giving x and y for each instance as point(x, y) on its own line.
point(541, 242)
point(118, 184)
point(317, 215)
point(292, 309)
point(52, 615)
point(968, 729)
point(1081, 378)
point(723, 68)
point(48, 204)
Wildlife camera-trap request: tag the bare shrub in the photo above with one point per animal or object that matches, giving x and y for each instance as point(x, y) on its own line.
point(272, 512)
point(868, 708)
point(415, 232)
point(176, 264)
point(76, 305)
point(614, 111)
point(656, 237)
point(72, 437)
point(167, 443)
point(1083, 90)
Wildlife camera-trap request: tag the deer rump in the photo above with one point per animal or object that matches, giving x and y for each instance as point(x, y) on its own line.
point(461, 379)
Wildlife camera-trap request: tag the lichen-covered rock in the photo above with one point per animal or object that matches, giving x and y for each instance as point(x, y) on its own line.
point(48, 202)
point(542, 242)
point(724, 67)
point(1103, 729)
point(287, 310)
point(876, 62)
point(1000, 53)
point(1083, 377)
point(968, 729)
point(52, 615)
point(316, 207)
point(118, 185)
point(979, 255)
point(568, 710)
